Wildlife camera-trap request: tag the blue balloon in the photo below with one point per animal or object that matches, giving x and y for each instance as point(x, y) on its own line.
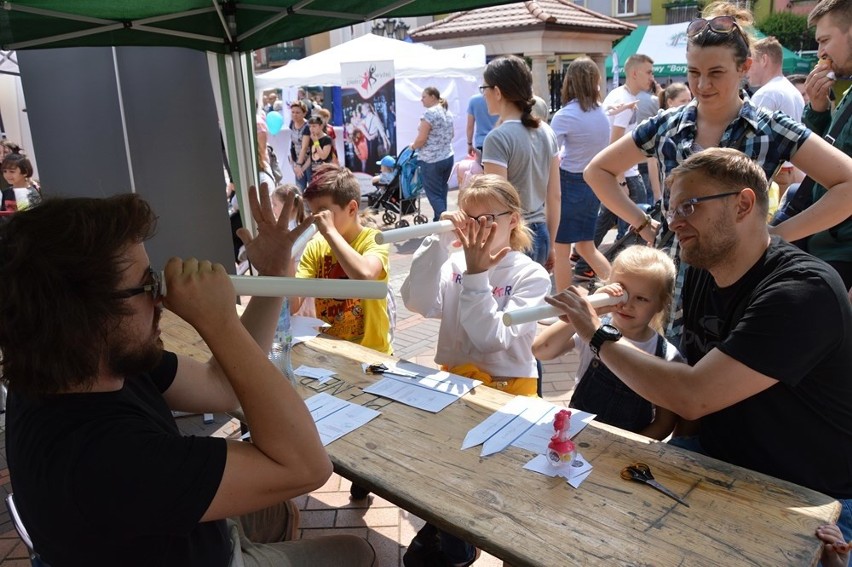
point(274, 121)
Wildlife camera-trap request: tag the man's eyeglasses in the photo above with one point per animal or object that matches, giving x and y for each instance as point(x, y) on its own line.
point(490, 218)
point(483, 87)
point(719, 24)
point(154, 288)
point(688, 207)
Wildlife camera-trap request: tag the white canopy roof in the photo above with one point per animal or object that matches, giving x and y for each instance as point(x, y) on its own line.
point(410, 60)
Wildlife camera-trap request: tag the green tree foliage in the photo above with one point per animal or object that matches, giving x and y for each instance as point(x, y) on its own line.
point(790, 29)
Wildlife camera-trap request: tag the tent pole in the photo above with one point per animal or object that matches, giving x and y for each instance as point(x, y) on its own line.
point(243, 134)
point(123, 121)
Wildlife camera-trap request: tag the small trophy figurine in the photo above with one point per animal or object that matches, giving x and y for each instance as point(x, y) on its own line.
point(561, 449)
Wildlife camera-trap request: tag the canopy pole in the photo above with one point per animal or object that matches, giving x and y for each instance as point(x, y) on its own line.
point(243, 134)
point(123, 122)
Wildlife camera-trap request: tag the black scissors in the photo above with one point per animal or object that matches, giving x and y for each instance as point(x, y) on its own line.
point(640, 472)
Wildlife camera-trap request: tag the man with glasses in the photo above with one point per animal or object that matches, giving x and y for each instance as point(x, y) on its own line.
point(747, 297)
point(102, 475)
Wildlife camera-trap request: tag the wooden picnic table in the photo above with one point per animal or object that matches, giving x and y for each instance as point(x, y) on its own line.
point(412, 458)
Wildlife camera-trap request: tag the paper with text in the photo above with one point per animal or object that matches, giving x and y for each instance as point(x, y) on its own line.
point(421, 387)
point(335, 418)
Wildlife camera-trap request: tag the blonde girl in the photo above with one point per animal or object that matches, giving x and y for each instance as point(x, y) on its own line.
point(469, 290)
point(647, 276)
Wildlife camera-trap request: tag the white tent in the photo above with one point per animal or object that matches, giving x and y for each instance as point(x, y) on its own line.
point(410, 60)
point(13, 117)
point(456, 73)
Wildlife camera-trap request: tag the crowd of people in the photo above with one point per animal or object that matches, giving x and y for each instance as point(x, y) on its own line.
point(101, 473)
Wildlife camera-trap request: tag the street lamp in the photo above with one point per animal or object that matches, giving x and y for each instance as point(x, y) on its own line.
point(391, 28)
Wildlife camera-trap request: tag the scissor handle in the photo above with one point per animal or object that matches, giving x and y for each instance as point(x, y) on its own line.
point(644, 470)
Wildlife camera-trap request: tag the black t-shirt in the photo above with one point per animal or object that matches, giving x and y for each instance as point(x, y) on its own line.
point(107, 478)
point(323, 142)
point(788, 318)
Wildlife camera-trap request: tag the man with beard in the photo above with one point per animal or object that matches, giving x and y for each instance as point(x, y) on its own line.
point(833, 21)
point(747, 296)
point(102, 476)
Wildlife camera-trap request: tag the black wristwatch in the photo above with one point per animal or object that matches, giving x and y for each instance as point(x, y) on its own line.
point(603, 334)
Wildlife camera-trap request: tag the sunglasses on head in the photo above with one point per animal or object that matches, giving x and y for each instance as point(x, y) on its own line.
point(719, 24)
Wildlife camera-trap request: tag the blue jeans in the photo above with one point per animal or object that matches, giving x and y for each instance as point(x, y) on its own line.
point(606, 218)
point(434, 177)
point(541, 242)
point(305, 180)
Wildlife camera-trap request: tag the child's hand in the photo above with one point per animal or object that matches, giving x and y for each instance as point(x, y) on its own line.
point(459, 220)
point(325, 222)
point(835, 553)
point(613, 289)
point(477, 240)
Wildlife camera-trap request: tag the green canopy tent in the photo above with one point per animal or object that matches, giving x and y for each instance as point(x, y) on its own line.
point(666, 45)
point(229, 28)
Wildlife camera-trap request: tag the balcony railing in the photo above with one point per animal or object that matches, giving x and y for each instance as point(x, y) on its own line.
point(677, 12)
point(284, 53)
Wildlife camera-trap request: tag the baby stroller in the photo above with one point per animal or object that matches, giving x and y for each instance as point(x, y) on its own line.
point(402, 195)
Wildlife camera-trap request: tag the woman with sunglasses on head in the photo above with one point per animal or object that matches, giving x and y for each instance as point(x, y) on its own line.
point(523, 150)
point(721, 114)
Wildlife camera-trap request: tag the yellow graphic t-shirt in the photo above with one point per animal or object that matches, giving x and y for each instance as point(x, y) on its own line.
point(362, 321)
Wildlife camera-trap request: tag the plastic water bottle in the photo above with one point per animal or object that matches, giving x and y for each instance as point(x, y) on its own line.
point(282, 342)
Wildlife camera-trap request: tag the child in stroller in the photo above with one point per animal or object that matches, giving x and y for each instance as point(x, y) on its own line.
point(398, 189)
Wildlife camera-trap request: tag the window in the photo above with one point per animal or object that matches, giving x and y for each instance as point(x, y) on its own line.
point(678, 12)
point(625, 7)
point(580, 3)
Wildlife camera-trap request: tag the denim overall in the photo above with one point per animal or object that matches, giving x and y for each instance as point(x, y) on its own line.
point(601, 392)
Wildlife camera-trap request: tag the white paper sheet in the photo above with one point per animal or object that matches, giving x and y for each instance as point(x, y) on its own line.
point(335, 418)
point(575, 473)
point(321, 375)
point(304, 329)
point(421, 387)
point(523, 422)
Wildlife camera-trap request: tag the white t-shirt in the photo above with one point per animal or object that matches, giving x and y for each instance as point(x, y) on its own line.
point(780, 94)
point(626, 119)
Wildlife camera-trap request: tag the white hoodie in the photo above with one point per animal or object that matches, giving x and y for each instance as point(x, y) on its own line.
point(471, 306)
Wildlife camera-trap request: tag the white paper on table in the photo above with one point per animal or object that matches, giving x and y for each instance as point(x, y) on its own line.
point(493, 423)
point(411, 394)
point(575, 472)
point(535, 409)
point(335, 418)
point(426, 377)
point(536, 438)
point(304, 329)
point(322, 375)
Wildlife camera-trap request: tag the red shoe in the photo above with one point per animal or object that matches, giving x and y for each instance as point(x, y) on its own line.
point(589, 274)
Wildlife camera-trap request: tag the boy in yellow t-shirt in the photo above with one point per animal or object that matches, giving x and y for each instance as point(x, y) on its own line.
point(346, 251)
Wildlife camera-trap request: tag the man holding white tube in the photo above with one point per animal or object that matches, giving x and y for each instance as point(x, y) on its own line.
point(788, 415)
point(102, 475)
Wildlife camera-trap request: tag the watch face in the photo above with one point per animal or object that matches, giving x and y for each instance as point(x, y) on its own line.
point(611, 331)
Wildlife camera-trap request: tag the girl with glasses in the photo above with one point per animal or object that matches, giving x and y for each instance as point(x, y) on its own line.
point(469, 290)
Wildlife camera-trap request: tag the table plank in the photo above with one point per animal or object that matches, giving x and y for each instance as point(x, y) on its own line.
point(412, 458)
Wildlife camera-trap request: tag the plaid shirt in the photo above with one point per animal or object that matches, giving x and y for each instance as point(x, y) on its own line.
point(769, 138)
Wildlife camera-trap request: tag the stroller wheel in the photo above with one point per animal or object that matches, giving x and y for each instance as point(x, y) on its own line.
point(402, 223)
point(388, 217)
point(420, 219)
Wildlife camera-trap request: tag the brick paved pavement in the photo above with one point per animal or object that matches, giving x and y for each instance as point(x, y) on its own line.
point(328, 510)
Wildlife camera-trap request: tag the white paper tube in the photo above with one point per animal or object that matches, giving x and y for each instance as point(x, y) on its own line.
point(268, 286)
point(415, 231)
point(546, 310)
point(303, 239)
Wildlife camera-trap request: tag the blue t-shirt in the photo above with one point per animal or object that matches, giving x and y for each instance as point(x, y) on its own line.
point(483, 122)
point(580, 135)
